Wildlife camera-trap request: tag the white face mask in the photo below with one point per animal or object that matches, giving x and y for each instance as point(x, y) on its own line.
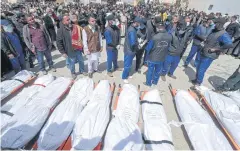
point(188, 23)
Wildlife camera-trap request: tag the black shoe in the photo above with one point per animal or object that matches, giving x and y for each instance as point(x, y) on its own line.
point(52, 69)
point(97, 71)
point(194, 81)
point(185, 66)
point(144, 83)
point(90, 75)
point(172, 76)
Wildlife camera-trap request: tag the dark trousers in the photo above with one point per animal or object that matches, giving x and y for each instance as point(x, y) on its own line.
point(139, 55)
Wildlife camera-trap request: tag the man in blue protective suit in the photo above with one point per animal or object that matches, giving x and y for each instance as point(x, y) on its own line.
point(130, 47)
point(200, 35)
point(112, 35)
point(157, 50)
point(176, 47)
point(216, 43)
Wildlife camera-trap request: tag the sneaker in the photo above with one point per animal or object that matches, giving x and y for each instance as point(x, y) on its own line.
point(44, 72)
point(90, 75)
point(130, 77)
point(110, 74)
point(74, 76)
point(52, 69)
point(125, 81)
point(172, 76)
point(163, 78)
point(83, 73)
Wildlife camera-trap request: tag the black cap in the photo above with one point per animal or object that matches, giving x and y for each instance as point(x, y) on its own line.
point(110, 17)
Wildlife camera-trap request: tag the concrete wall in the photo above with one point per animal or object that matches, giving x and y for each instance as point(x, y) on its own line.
point(231, 7)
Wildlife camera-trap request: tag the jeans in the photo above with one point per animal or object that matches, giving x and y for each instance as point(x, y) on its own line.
point(18, 63)
point(153, 73)
point(70, 61)
point(48, 56)
point(112, 56)
point(127, 65)
point(195, 49)
point(170, 64)
point(204, 64)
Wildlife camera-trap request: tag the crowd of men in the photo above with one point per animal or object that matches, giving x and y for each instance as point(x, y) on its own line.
point(156, 35)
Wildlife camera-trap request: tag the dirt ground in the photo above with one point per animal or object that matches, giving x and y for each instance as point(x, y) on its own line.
point(219, 71)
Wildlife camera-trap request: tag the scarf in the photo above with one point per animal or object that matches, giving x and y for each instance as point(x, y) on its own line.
point(77, 38)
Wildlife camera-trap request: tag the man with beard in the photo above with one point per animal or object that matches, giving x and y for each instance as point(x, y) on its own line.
point(157, 49)
point(112, 35)
point(216, 43)
point(51, 25)
point(92, 44)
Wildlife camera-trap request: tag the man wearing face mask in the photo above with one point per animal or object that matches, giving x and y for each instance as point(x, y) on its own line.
point(157, 49)
point(200, 35)
point(130, 47)
point(51, 25)
point(92, 44)
point(11, 45)
point(38, 41)
point(112, 35)
point(186, 33)
point(216, 43)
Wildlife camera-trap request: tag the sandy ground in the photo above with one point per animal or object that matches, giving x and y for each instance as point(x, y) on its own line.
point(220, 70)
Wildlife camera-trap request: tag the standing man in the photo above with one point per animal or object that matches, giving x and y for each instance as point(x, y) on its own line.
point(51, 25)
point(70, 44)
point(176, 47)
point(112, 35)
point(92, 44)
point(216, 43)
point(38, 41)
point(200, 35)
point(130, 47)
point(157, 49)
point(11, 45)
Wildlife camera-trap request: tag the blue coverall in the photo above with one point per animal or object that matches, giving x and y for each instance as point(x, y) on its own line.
point(128, 57)
point(112, 55)
point(205, 62)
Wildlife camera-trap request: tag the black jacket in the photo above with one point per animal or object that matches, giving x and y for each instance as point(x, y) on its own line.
point(64, 41)
point(233, 29)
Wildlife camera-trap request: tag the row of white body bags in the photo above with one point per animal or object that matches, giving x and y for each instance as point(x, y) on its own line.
point(62, 120)
point(24, 97)
point(29, 119)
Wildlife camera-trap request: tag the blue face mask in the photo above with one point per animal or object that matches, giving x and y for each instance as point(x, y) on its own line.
point(8, 28)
